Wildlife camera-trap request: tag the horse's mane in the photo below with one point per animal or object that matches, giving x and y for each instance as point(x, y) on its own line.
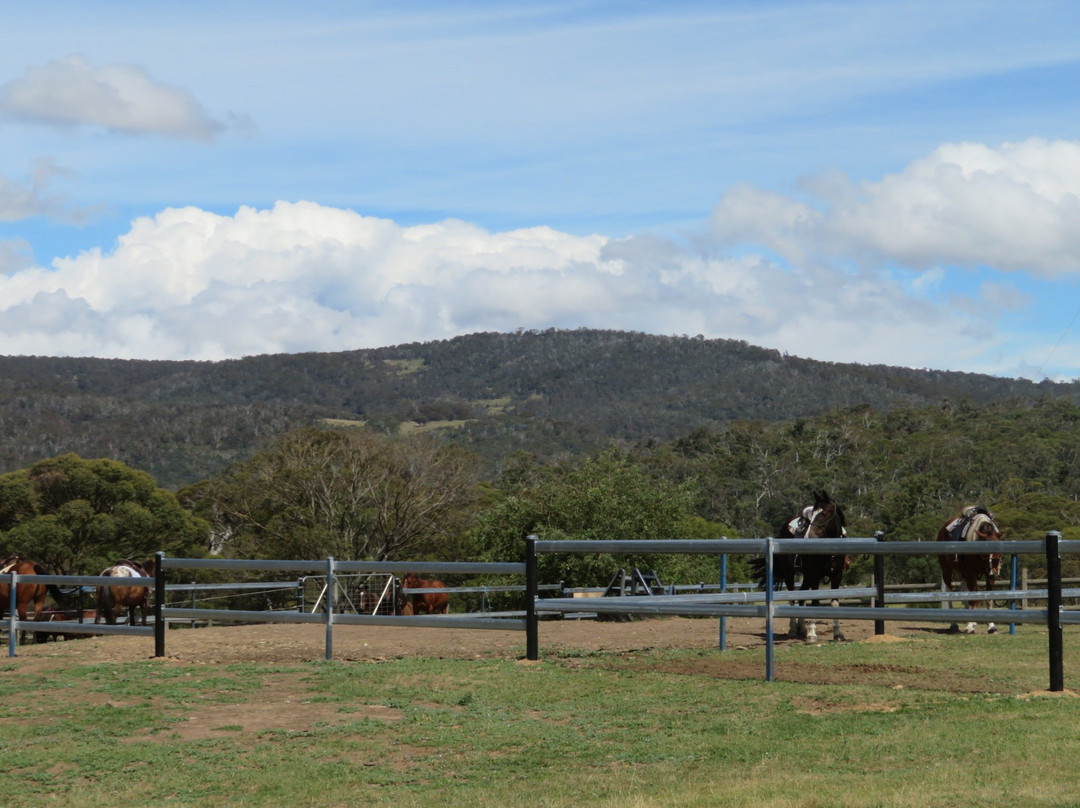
point(976, 527)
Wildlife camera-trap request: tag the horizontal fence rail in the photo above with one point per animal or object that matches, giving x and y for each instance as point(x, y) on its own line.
point(699, 600)
point(15, 625)
point(776, 604)
point(331, 568)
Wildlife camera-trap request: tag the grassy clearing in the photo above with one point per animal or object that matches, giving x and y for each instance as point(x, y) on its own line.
point(970, 727)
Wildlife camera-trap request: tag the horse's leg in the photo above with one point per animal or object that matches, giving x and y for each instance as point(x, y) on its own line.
point(796, 627)
point(836, 577)
point(990, 629)
point(20, 607)
point(973, 586)
point(810, 631)
point(39, 605)
point(946, 586)
point(837, 632)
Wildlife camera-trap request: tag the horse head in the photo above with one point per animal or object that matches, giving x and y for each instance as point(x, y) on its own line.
point(986, 529)
point(827, 521)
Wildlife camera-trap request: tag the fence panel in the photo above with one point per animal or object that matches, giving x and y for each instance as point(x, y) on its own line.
point(773, 606)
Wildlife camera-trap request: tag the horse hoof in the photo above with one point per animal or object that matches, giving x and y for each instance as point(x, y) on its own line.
point(968, 629)
point(839, 638)
point(992, 629)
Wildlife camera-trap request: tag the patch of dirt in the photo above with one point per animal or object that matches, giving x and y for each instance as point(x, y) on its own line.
point(293, 643)
point(281, 704)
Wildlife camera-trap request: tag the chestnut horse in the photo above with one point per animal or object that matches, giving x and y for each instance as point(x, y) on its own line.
point(822, 520)
point(434, 602)
point(25, 593)
point(109, 598)
point(974, 524)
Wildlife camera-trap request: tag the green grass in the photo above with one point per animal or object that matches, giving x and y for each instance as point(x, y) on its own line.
point(966, 726)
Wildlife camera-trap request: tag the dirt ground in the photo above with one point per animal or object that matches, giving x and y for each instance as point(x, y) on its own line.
point(284, 643)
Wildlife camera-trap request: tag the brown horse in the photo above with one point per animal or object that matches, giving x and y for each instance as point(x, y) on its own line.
point(62, 616)
point(974, 524)
point(434, 602)
point(25, 593)
point(109, 598)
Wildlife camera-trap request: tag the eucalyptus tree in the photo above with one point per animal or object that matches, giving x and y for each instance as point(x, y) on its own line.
point(79, 516)
point(602, 496)
point(347, 493)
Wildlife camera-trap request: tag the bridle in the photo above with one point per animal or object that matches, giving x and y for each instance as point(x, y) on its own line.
point(819, 526)
point(993, 560)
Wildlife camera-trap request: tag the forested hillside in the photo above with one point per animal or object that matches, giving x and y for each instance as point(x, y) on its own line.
point(549, 393)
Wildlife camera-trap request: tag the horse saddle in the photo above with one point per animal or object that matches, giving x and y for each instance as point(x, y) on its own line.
point(798, 527)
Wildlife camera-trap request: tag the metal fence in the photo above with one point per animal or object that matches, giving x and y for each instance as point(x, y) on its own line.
point(767, 604)
point(327, 615)
point(770, 605)
point(70, 627)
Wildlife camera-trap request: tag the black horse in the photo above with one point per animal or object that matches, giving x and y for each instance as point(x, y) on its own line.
point(822, 520)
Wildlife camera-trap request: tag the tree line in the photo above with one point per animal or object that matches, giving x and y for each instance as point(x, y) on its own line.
point(355, 493)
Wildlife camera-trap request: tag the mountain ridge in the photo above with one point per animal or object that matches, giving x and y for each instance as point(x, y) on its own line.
point(547, 392)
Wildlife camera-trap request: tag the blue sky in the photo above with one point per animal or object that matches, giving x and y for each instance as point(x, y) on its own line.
point(882, 183)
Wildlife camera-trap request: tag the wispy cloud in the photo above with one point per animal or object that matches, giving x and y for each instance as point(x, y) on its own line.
point(35, 198)
point(121, 98)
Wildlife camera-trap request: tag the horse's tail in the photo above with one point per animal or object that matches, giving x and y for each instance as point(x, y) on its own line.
point(63, 594)
point(60, 595)
point(758, 568)
point(106, 603)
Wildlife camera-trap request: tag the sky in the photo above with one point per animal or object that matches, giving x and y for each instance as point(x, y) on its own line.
point(880, 183)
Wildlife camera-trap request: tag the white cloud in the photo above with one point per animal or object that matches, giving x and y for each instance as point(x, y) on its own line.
point(1015, 207)
point(187, 283)
point(120, 98)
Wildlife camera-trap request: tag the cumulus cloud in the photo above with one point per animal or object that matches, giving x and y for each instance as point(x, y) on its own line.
point(188, 283)
point(1014, 207)
point(843, 272)
point(121, 98)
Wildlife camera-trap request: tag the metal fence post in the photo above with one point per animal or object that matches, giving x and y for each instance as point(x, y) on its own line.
point(1012, 586)
point(532, 628)
point(159, 604)
point(1053, 610)
point(723, 588)
point(13, 615)
point(769, 609)
point(879, 582)
point(330, 586)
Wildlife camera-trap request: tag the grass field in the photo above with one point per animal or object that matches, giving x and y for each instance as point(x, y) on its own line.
point(973, 726)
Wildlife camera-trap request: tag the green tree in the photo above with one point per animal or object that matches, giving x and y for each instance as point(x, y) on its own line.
point(78, 516)
point(604, 496)
point(348, 493)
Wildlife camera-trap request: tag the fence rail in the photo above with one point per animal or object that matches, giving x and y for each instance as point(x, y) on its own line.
point(773, 606)
point(766, 604)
